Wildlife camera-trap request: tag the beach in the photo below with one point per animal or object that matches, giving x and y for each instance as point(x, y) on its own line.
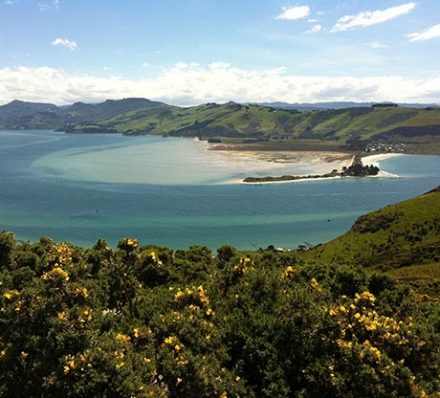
point(321, 162)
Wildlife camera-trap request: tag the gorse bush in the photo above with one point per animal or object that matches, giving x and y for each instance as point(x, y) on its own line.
point(144, 321)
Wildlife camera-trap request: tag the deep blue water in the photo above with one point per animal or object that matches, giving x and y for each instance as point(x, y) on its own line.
point(35, 203)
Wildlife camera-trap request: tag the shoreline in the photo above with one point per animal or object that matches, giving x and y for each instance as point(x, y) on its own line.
point(367, 160)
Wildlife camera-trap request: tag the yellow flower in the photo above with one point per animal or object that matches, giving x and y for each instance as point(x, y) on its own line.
point(61, 315)
point(120, 354)
point(315, 285)
point(332, 311)
point(342, 309)
point(24, 354)
point(82, 291)
point(210, 312)
point(132, 243)
point(69, 363)
point(366, 297)
point(123, 338)
point(57, 272)
point(2, 353)
point(156, 259)
point(170, 340)
point(288, 272)
point(86, 316)
point(136, 333)
point(179, 380)
point(120, 365)
point(9, 295)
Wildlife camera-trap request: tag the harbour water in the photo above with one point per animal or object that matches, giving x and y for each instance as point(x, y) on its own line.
point(174, 192)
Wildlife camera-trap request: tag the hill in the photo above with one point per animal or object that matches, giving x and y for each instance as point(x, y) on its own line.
point(29, 115)
point(334, 105)
point(402, 239)
point(348, 128)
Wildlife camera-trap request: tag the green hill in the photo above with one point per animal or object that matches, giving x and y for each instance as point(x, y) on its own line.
point(29, 115)
point(402, 239)
point(348, 128)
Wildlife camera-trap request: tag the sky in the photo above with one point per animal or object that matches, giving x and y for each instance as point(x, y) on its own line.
point(188, 52)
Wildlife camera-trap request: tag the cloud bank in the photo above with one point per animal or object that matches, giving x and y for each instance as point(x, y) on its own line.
point(189, 84)
point(369, 18)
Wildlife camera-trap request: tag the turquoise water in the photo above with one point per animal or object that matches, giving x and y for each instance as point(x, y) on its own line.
point(173, 192)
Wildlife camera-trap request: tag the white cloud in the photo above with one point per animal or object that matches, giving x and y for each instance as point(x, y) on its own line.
point(191, 83)
point(312, 20)
point(369, 18)
point(10, 2)
point(146, 64)
point(70, 44)
point(293, 13)
point(376, 44)
point(55, 5)
point(432, 33)
point(315, 29)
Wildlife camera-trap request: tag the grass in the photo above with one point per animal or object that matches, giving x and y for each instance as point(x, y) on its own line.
point(397, 236)
point(252, 121)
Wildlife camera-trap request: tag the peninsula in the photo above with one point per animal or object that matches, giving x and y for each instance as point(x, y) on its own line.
point(357, 169)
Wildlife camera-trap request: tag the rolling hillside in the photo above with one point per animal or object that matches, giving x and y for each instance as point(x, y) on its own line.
point(347, 128)
point(28, 115)
point(350, 128)
point(401, 239)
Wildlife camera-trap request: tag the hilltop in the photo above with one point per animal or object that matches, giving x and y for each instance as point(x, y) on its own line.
point(346, 128)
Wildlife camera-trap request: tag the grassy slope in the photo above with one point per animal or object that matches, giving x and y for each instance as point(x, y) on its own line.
point(212, 120)
point(403, 239)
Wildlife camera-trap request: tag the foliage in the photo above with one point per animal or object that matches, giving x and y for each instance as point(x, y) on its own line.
point(144, 321)
point(401, 235)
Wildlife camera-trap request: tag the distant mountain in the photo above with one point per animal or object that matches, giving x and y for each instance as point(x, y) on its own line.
point(29, 115)
point(333, 105)
point(18, 108)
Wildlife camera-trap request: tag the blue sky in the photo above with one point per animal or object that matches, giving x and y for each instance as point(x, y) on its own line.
point(192, 51)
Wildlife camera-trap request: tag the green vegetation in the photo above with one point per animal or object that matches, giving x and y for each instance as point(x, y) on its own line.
point(349, 128)
point(144, 321)
point(27, 115)
point(401, 238)
point(356, 169)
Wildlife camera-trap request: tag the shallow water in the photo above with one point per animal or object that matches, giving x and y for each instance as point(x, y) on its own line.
point(81, 187)
point(155, 160)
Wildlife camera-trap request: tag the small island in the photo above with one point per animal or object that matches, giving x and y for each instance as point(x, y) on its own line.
point(357, 169)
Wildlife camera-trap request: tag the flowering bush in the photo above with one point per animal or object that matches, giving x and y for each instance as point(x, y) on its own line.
point(146, 322)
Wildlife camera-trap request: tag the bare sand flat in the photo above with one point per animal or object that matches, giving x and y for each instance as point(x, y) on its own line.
point(321, 161)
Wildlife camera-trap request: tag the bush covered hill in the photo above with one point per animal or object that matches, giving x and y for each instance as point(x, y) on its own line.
point(147, 321)
point(346, 128)
point(403, 239)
